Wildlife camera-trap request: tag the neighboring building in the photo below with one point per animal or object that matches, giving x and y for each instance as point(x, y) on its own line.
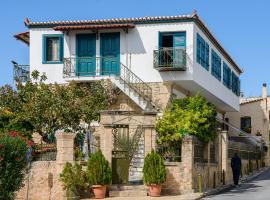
point(253, 116)
point(150, 59)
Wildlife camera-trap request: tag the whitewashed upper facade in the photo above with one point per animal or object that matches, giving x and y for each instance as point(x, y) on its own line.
point(158, 49)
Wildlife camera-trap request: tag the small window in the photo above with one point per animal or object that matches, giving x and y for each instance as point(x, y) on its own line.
point(235, 84)
point(216, 65)
point(246, 124)
point(227, 76)
point(52, 48)
point(202, 52)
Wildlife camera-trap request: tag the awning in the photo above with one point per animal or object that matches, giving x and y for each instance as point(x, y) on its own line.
point(24, 37)
point(93, 27)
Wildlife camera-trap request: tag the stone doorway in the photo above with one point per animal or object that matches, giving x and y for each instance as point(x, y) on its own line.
point(131, 140)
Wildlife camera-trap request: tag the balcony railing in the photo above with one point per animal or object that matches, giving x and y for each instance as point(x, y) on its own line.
point(76, 67)
point(21, 73)
point(170, 59)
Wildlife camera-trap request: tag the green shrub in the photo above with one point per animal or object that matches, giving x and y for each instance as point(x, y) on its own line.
point(188, 116)
point(73, 178)
point(13, 163)
point(98, 170)
point(154, 171)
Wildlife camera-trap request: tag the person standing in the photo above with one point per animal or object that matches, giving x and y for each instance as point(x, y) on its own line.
point(236, 168)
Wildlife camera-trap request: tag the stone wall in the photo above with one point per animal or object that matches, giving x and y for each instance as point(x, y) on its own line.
point(39, 188)
point(42, 181)
point(172, 186)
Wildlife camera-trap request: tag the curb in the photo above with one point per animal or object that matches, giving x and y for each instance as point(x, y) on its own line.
point(228, 187)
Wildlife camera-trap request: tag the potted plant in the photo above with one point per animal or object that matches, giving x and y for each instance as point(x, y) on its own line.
point(154, 173)
point(73, 179)
point(99, 174)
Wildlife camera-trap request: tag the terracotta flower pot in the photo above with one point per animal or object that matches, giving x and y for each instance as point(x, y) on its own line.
point(154, 190)
point(99, 191)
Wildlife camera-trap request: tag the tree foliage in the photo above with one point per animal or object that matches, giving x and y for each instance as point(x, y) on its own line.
point(190, 115)
point(154, 171)
point(13, 151)
point(45, 108)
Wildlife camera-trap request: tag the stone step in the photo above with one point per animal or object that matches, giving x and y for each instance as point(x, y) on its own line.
point(128, 193)
point(127, 187)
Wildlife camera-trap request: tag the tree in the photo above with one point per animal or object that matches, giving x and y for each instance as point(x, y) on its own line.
point(45, 108)
point(190, 115)
point(13, 151)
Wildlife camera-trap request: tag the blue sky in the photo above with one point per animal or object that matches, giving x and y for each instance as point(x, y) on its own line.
point(242, 26)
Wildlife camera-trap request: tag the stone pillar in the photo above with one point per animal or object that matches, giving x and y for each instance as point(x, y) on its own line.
point(224, 154)
point(106, 143)
point(187, 164)
point(148, 141)
point(65, 147)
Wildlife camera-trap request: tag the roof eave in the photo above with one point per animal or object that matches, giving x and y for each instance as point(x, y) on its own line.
point(216, 43)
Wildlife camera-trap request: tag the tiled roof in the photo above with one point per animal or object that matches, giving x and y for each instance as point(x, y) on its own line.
point(102, 21)
point(24, 37)
point(159, 19)
point(250, 100)
point(96, 26)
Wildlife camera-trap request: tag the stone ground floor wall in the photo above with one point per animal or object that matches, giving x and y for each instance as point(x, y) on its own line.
point(210, 175)
point(173, 179)
point(40, 187)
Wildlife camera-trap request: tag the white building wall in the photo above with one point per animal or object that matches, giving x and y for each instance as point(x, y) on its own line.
point(136, 48)
point(207, 80)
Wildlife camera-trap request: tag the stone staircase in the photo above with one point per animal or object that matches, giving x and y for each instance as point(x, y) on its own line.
point(128, 191)
point(139, 91)
point(135, 171)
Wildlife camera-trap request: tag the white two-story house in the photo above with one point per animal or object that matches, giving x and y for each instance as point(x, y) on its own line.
point(149, 59)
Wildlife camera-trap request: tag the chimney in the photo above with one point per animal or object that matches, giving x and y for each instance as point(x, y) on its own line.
point(264, 91)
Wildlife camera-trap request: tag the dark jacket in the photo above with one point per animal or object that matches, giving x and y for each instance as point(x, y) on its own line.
point(236, 163)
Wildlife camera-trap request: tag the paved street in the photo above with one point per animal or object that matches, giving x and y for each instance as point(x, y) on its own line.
point(257, 189)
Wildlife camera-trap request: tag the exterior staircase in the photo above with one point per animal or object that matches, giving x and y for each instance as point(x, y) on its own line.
point(136, 168)
point(139, 91)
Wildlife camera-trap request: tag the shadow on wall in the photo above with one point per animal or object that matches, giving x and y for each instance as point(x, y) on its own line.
point(172, 184)
point(134, 43)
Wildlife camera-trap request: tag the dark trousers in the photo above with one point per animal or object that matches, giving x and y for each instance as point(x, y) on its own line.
point(236, 175)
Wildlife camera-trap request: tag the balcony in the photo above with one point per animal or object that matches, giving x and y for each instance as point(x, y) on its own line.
point(80, 67)
point(21, 73)
point(96, 68)
point(170, 59)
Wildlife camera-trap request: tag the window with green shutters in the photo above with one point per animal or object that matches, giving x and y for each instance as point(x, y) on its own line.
point(216, 65)
point(227, 76)
point(202, 52)
point(235, 84)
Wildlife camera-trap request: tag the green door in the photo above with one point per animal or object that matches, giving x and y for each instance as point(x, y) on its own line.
point(110, 53)
point(86, 55)
point(179, 46)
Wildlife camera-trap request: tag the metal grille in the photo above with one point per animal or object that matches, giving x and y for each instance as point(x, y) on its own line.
point(21, 73)
point(171, 152)
point(93, 68)
point(45, 152)
point(170, 59)
point(212, 153)
point(199, 152)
